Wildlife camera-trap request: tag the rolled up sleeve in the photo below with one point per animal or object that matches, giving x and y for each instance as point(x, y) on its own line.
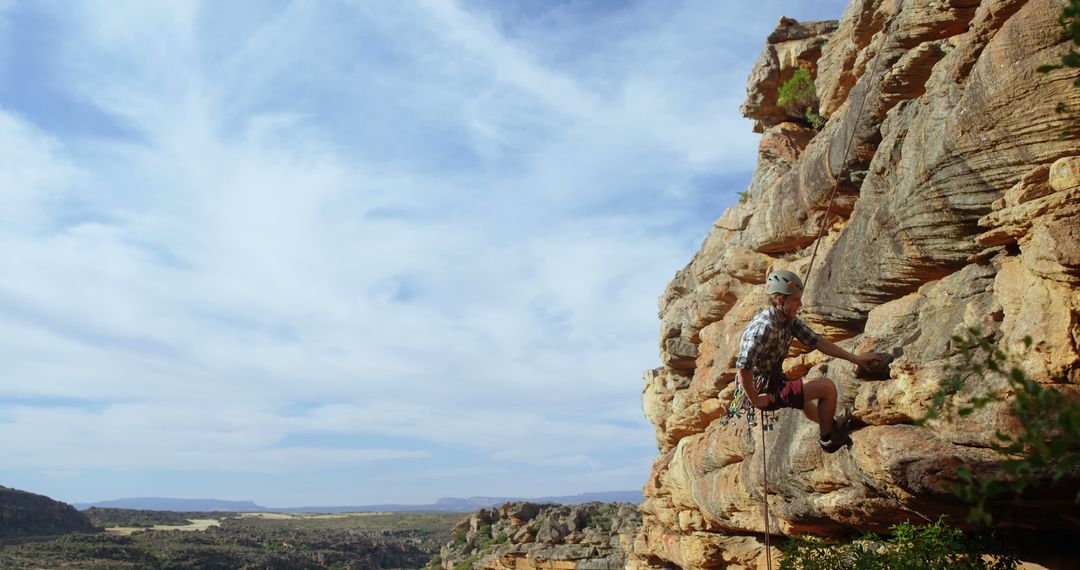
point(805, 334)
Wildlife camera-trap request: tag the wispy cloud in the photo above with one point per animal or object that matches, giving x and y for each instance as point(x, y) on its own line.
point(240, 236)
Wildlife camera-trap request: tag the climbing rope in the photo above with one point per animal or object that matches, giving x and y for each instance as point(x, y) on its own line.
point(847, 146)
point(765, 485)
point(813, 256)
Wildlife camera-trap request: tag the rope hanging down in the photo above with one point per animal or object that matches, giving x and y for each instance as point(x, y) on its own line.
point(765, 485)
point(847, 146)
point(810, 267)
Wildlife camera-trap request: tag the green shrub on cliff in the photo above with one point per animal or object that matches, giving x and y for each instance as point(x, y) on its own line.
point(1070, 21)
point(798, 97)
point(466, 564)
point(1046, 444)
point(460, 535)
point(936, 546)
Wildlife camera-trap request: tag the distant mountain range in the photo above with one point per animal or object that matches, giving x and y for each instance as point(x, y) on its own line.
point(449, 505)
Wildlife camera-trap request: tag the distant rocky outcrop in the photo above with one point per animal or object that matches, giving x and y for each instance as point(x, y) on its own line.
point(523, 536)
point(25, 514)
point(957, 206)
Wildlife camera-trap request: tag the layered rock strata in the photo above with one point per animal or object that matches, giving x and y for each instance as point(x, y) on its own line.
point(957, 205)
point(526, 536)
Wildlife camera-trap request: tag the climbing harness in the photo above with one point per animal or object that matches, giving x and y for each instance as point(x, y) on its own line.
point(741, 404)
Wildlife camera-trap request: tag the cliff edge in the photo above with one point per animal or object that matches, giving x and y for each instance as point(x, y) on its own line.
point(957, 206)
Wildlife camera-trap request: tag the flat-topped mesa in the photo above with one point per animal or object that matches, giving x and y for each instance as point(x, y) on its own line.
point(958, 206)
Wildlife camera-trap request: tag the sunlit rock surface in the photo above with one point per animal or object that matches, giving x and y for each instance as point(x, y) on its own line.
point(957, 206)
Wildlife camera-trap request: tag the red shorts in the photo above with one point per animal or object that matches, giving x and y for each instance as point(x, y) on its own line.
point(786, 393)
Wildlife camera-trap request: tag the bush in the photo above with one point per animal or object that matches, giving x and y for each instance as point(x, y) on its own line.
point(1070, 21)
point(460, 537)
point(466, 564)
point(931, 547)
point(1046, 445)
point(798, 97)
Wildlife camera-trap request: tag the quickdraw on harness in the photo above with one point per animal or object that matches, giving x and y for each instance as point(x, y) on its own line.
point(740, 405)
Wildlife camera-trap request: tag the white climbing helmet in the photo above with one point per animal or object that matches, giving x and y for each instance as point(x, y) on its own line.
point(783, 282)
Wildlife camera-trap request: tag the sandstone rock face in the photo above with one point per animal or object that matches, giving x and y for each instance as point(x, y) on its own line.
point(957, 206)
point(525, 536)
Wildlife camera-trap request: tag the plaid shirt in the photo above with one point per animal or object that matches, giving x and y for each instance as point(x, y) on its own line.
point(766, 341)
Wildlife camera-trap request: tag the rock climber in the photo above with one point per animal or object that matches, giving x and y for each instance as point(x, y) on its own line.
point(765, 343)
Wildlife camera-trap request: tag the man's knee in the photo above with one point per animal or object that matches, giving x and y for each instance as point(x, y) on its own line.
point(819, 388)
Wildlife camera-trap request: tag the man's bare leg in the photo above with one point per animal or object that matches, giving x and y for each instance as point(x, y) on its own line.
point(819, 396)
point(810, 410)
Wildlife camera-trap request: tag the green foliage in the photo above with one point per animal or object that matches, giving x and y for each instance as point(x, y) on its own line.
point(484, 539)
point(797, 92)
point(466, 564)
point(460, 535)
point(936, 546)
point(603, 518)
point(1070, 21)
point(358, 541)
point(1046, 445)
point(799, 98)
point(744, 196)
point(501, 538)
point(132, 518)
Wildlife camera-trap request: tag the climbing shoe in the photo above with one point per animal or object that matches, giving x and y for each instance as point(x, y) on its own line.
point(838, 437)
point(835, 442)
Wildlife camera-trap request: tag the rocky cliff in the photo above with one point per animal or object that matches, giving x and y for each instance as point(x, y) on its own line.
point(525, 536)
point(25, 514)
point(957, 205)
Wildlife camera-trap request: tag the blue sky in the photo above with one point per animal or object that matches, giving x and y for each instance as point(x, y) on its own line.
point(318, 253)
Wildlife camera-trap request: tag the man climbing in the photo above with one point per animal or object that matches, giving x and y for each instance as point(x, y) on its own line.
point(765, 343)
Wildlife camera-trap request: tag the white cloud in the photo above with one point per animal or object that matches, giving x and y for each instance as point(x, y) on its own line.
point(154, 435)
point(422, 224)
point(33, 175)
